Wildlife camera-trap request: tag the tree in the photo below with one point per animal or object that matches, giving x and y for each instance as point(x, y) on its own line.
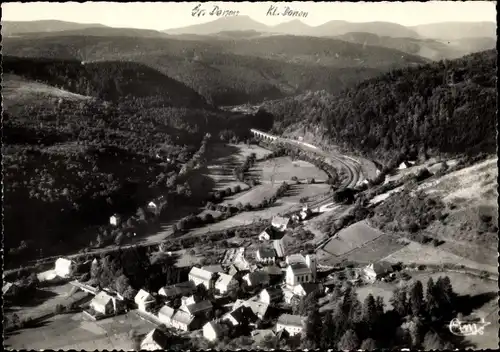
point(399, 301)
point(415, 328)
point(369, 344)
point(312, 330)
point(431, 298)
point(370, 314)
point(417, 298)
point(122, 284)
point(349, 341)
point(327, 338)
point(432, 341)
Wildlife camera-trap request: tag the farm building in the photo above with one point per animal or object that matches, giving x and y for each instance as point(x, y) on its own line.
point(178, 290)
point(280, 223)
point(213, 331)
point(258, 308)
point(375, 271)
point(155, 340)
point(293, 324)
point(282, 244)
point(165, 315)
point(63, 267)
point(216, 268)
point(184, 321)
point(256, 278)
point(201, 277)
point(115, 220)
point(242, 315)
point(199, 308)
point(226, 283)
point(144, 300)
point(271, 295)
point(103, 303)
point(265, 255)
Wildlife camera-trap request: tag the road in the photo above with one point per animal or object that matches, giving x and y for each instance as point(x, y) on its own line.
point(352, 168)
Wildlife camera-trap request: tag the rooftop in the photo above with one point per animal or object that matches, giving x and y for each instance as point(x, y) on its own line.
point(290, 320)
point(300, 268)
point(224, 279)
point(201, 274)
point(183, 317)
point(166, 311)
point(217, 268)
point(266, 252)
point(200, 306)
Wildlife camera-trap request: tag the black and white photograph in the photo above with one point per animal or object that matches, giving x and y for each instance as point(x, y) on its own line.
point(255, 175)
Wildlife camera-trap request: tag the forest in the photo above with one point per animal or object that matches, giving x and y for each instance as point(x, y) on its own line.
point(446, 107)
point(226, 72)
point(71, 164)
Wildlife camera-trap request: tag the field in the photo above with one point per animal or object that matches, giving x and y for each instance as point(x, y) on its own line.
point(425, 254)
point(371, 252)
point(351, 238)
point(45, 301)
point(74, 331)
point(283, 169)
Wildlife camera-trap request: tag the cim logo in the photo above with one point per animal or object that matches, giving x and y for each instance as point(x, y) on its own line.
point(460, 328)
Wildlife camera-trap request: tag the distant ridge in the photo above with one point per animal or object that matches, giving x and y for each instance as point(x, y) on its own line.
point(10, 28)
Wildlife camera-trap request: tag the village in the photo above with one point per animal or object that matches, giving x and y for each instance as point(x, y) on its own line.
point(211, 305)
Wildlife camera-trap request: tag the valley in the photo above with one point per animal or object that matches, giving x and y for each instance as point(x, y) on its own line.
point(232, 183)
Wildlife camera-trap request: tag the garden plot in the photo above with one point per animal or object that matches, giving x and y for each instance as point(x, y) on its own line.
point(351, 238)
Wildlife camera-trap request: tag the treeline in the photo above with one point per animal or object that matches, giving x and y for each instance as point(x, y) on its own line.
point(419, 319)
point(442, 107)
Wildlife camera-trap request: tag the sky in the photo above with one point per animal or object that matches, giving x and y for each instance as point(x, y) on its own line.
point(161, 16)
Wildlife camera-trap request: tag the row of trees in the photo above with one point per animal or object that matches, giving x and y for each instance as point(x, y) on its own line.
point(415, 321)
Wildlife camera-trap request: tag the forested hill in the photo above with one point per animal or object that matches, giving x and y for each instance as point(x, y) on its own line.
point(442, 107)
point(229, 71)
point(111, 81)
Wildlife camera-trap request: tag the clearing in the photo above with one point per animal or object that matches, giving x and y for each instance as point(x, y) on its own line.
point(284, 168)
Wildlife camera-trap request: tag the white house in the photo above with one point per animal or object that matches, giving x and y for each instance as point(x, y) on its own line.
point(293, 324)
point(115, 220)
point(405, 165)
point(256, 278)
point(63, 267)
point(375, 271)
point(165, 315)
point(282, 244)
point(177, 290)
point(201, 277)
point(182, 321)
point(199, 308)
point(265, 255)
point(213, 331)
point(144, 300)
point(226, 283)
point(103, 303)
point(280, 223)
point(155, 340)
point(271, 295)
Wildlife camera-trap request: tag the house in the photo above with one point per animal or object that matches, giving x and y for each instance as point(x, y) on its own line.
point(265, 255)
point(375, 271)
point(217, 268)
point(226, 283)
point(299, 272)
point(103, 303)
point(258, 308)
point(269, 233)
point(152, 206)
point(183, 321)
point(115, 220)
point(198, 308)
point(292, 324)
point(178, 290)
point(295, 258)
point(165, 315)
point(273, 270)
point(280, 223)
point(242, 315)
point(201, 277)
point(144, 300)
point(304, 289)
point(213, 331)
point(259, 335)
point(256, 278)
point(271, 295)
point(63, 267)
point(282, 244)
point(155, 340)
point(233, 270)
